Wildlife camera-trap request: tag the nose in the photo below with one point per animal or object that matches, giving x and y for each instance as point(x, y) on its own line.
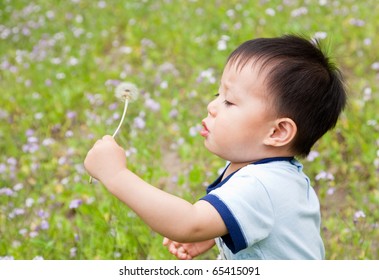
point(212, 108)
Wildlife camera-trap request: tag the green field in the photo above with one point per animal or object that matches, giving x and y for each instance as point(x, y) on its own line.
point(59, 64)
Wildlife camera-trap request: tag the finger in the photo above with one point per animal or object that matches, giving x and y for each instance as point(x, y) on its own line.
point(97, 142)
point(165, 241)
point(108, 138)
point(182, 254)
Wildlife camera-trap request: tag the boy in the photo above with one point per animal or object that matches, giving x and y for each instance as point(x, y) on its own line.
point(277, 97)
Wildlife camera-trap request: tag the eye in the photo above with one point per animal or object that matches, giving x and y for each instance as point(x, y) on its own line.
point(227, 103)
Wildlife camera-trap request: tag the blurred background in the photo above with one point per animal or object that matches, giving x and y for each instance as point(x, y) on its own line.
point(60, 62)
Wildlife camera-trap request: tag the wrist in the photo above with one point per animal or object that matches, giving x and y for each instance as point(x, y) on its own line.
point(116, 181)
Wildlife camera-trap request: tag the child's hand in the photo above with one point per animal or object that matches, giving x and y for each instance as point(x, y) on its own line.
point(187, 251)
point(105, 159)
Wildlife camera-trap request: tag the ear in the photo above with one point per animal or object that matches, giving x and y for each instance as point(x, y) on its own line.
point(282, 133)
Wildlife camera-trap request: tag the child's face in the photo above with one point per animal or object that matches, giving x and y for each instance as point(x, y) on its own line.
point(241, 116)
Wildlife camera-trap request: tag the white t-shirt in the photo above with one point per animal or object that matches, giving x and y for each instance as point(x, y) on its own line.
point(270, 210)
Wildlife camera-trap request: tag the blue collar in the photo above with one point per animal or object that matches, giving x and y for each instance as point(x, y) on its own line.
point(267, 160)
point(219, 182)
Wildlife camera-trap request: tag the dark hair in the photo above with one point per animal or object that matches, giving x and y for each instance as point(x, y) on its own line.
point(305, 85)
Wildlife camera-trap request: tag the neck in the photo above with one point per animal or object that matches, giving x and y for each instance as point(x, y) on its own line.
point(234, 166)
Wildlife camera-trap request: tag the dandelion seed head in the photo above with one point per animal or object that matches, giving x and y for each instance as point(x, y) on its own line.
point(126, 91)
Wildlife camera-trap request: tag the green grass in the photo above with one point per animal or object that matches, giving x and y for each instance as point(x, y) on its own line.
point(59, 63)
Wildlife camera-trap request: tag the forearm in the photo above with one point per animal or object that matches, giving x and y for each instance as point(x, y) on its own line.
point(166, 214)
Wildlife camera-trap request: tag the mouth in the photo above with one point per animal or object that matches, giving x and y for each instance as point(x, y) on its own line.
point(204, 131)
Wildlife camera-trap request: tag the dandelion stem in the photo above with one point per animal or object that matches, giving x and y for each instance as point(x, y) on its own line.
point(122, 119)
point(118, 127)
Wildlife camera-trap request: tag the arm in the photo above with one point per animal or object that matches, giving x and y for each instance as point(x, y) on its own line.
point(166, 214)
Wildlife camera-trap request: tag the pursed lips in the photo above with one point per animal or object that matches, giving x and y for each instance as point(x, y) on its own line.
point(204, 131)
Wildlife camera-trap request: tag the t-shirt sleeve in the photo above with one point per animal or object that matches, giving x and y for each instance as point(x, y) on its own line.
point(246, 209)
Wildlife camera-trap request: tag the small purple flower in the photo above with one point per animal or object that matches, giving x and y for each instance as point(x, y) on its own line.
point(44, 225)
point(113, 106)
point(48, 141)
point(69, 133)
point(73, 252)
point(6, 191)
point(116, 116)
point(312, 155)
point(75, 203)
point(323, 175)
point(33, 234)
point(139, 122)
point(357, 22)
point(331, 191)
point(42, 214)
point(152, 105)
point(71, 115)
point(3, 168)
point(195, 130)
point(375, 65)
point(12, 161)
point(173, 113)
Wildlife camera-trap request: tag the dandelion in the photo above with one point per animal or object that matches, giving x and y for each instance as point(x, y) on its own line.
point(125, 92)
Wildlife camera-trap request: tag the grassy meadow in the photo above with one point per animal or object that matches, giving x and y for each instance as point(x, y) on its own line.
point(60, 62)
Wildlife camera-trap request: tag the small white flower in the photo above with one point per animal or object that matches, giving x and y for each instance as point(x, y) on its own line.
point(359, 214)
point(29, 202)
point(270, 12)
